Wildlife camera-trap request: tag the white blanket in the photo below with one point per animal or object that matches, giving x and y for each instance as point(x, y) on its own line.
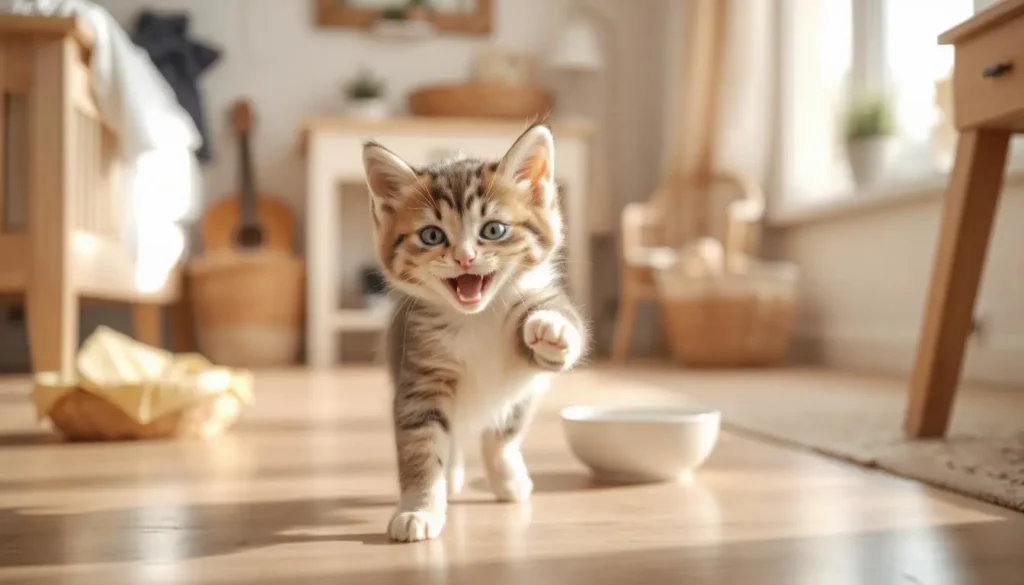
point(158, 137)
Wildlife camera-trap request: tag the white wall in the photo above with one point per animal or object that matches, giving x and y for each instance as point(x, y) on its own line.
point(865, 284)
point(275, 56)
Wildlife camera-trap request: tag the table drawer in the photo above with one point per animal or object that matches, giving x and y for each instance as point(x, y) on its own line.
point(989, 78)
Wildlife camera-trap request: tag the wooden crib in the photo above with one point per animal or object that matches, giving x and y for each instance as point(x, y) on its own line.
point(61, 205)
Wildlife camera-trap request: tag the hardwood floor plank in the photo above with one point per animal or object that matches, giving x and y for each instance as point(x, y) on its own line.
point(300, 493)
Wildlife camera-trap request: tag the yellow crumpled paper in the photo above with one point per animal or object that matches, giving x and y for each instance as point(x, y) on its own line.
point(145, 382)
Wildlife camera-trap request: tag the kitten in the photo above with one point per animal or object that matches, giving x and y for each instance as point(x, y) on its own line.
point(469, 249)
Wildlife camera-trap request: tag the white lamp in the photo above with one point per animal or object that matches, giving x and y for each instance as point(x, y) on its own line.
point(579, 48)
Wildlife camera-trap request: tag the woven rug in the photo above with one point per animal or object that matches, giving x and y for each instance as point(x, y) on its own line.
point(859, 419)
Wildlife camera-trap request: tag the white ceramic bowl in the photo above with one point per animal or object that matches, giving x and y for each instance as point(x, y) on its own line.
point(641, 444)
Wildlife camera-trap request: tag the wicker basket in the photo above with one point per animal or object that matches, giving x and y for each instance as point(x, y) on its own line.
point(83, 416)
point(481, 100)
point(123, 389)
point(721, 319)
point(248, 307)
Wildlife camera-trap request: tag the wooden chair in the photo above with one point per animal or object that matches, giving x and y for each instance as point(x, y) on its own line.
point(61, 215)
point(651, 237)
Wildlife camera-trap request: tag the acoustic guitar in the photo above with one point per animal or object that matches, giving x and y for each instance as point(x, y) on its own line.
point(247, 220)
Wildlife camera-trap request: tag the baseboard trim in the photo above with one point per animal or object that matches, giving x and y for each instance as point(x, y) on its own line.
point(993, 360)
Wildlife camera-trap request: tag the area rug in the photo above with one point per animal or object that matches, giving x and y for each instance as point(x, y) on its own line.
point(860, 418)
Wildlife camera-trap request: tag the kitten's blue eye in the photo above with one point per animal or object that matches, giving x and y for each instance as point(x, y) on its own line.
point(494, 230)
point(432, 236)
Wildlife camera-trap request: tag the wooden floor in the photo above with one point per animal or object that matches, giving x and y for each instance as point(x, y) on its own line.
point(301, 492)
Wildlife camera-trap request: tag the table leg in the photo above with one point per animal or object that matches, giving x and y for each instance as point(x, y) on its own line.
point(51, 301)
point(969, 211)
point(323, 229)
point(181, 318)
point(148, 323)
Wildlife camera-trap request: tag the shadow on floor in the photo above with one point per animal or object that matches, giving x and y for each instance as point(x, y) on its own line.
point(40, 537)
point(164, 533)
point(156, 478)
point(975, 553)
point(253, 425)
point(984, 552)
point(28, 439)
point(555, 482)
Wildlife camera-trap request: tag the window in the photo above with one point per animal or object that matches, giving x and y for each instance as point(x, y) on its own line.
point(836, 50)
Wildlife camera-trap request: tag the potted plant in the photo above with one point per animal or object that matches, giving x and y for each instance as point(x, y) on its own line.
point(869, 138)
point(366, 99)
point(418, 10)
point(394, 14)
point(410, 20)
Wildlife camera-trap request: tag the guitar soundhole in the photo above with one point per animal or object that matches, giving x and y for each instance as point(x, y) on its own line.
point(249, 236)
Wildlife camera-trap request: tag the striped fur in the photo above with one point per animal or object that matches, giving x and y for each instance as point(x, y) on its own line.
point(470, 373)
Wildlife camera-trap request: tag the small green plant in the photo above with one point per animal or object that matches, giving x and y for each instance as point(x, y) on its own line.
point(395, 13)
point(365, 86)
point(868, 117)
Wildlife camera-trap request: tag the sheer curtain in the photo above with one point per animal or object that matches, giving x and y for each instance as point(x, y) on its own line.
point(745, 97)
point(744, 134)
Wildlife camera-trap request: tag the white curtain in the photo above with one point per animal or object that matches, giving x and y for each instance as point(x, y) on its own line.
point(747, 95)
point(745, 103)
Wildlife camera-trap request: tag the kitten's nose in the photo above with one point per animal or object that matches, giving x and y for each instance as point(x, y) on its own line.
point(464, 257)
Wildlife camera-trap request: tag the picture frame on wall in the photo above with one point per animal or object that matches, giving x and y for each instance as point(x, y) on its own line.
point(462, 17)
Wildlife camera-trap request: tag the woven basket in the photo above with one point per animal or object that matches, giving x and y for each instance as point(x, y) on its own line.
point(248, 307)
point(481, 100)
point(83, 416)
point(729, 320)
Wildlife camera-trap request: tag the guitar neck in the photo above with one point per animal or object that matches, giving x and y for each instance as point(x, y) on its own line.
point(246, 187)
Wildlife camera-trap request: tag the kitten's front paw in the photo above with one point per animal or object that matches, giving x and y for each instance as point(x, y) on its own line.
point(514, 488)
point(413, 526)
point(552, 338)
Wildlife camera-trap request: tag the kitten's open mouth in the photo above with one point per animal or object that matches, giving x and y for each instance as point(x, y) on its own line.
point(469, 288)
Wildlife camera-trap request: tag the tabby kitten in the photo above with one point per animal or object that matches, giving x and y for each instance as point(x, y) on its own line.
point(483, 323)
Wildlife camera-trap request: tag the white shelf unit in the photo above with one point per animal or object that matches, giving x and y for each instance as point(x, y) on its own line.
point(359, 320)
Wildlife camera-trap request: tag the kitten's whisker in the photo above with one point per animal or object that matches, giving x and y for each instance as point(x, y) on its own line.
point(515, 289)
point(425, 196)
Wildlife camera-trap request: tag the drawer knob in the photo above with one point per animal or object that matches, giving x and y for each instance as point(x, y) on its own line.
point(997, 70)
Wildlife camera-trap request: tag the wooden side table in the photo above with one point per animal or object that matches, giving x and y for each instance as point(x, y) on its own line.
point(988, 89)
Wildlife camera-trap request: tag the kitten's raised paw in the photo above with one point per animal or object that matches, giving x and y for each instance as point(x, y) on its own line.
point(552, 338)
point(512, 489)
point(415, 526)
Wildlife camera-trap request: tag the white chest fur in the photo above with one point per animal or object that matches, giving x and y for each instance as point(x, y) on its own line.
point(495, 375)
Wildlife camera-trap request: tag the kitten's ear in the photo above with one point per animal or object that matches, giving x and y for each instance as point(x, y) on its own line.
point(386, 173)
point(531, 160)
